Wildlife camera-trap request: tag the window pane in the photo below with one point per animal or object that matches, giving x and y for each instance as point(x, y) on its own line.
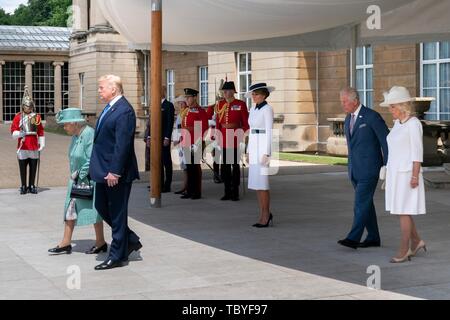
point(360, 79)
point(431, 114)
point(429, 51)
point(429, 76)
point(444, 75)
point(243, 83)
point(444, 100)
point(369, 55)
point(444, 50)
point(249, 57)
point(242, 62)
point(249, 81)
point(369, 99)
point(359, 56)
point(369, 78)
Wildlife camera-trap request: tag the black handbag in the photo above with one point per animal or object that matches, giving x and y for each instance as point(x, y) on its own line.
point(82, 191)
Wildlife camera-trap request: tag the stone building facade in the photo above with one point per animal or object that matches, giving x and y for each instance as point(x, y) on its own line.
point(38, 58)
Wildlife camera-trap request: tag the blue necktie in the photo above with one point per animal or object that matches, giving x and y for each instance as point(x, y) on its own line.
point(108, 106)
point(352, 123)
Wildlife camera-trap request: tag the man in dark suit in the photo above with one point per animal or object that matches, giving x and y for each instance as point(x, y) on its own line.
point(168, 119)
point(113, 167)
point(366, 133)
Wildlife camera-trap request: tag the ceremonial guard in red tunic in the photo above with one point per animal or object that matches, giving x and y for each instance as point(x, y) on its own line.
point(232, 122)
point(28, 130)
point(194, 125)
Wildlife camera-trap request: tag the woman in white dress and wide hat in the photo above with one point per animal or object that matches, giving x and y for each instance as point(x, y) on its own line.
point(405, 191)
point(260, 148)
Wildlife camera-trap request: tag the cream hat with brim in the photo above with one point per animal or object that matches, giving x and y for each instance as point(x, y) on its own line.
point(180, 98)
point(396, 95)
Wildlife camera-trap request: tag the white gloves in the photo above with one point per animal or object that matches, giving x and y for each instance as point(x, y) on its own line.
point(194, 148)
point(265, 160)
point(74, 175)
point(242, 147)
point(18, 134)
point(41, 143)
point(212, 123)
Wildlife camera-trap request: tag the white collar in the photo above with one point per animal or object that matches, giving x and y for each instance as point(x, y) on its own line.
point(113, 101)
point(162, 100)
point(357, 111)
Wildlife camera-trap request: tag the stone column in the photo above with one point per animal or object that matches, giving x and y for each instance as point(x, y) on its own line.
point(80, 16)
point(58, 83)
point(29, 76)
point(1, 90)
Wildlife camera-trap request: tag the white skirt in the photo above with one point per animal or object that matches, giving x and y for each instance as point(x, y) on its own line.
point(400, 197)
point(258, 177)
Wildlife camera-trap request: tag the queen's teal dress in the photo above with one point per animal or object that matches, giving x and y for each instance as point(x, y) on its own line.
point(79, 157)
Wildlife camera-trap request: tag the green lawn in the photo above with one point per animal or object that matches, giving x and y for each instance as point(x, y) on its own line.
point(59, 130)
point(312, 158)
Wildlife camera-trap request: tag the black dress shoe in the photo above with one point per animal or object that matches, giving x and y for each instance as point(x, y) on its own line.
point(95, 250)
point(225, 197)
point(186, 196)
point(196, 197)
point(109, 264)
point(61, 250)
point(32, 189)
point(180, 192)
point(367, 244)
point(234, 198)
point(134, 247)
point(349, 243)
point(23, 190)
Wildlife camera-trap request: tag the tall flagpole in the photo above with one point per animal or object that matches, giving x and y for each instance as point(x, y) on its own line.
point(155, 114)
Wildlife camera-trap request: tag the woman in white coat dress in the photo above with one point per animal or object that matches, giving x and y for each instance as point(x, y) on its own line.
point(259, 149)
point(405, 191)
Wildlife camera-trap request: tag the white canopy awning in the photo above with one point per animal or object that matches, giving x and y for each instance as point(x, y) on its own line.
point(277, 25)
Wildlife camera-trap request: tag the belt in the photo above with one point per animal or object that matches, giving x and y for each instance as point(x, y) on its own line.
point(230, 125)
point(257, 131)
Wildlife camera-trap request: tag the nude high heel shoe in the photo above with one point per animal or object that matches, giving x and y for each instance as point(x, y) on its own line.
point(421, 245)
point(407, 256)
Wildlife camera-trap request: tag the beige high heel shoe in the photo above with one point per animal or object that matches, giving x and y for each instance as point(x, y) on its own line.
point(407, 256)
point(421, 245)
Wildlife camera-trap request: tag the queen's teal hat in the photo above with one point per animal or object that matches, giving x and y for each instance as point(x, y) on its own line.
point(69, 115)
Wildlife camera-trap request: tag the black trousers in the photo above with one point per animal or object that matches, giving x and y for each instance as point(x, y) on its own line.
point(194, 173)
point(112, 205)
point(231, 173)
point(166, 168)
point(23, 164)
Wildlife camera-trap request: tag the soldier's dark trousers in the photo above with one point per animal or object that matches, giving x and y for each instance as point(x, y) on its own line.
point(23, 164)
point(231, 173)
point(194, 173)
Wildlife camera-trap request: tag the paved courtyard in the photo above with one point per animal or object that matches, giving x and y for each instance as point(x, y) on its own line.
point(207, 249)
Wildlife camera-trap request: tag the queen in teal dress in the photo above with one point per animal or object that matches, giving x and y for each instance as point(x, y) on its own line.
point(79, 212)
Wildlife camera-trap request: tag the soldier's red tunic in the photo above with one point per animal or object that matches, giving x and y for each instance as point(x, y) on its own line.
point(231, 117)
point(195, 116)
point(30, 142)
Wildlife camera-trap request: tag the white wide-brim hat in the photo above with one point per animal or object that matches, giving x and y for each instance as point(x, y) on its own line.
point(257, 86)
point(180, 98)
point(397, 94)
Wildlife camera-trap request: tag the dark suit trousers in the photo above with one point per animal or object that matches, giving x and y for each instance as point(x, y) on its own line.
point(112, 205)
point(167, 168)
point(231, 173)
point(194, 174)
point(365, 216)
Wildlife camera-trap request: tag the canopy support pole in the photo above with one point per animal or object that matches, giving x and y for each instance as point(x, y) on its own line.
point(155, 114)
